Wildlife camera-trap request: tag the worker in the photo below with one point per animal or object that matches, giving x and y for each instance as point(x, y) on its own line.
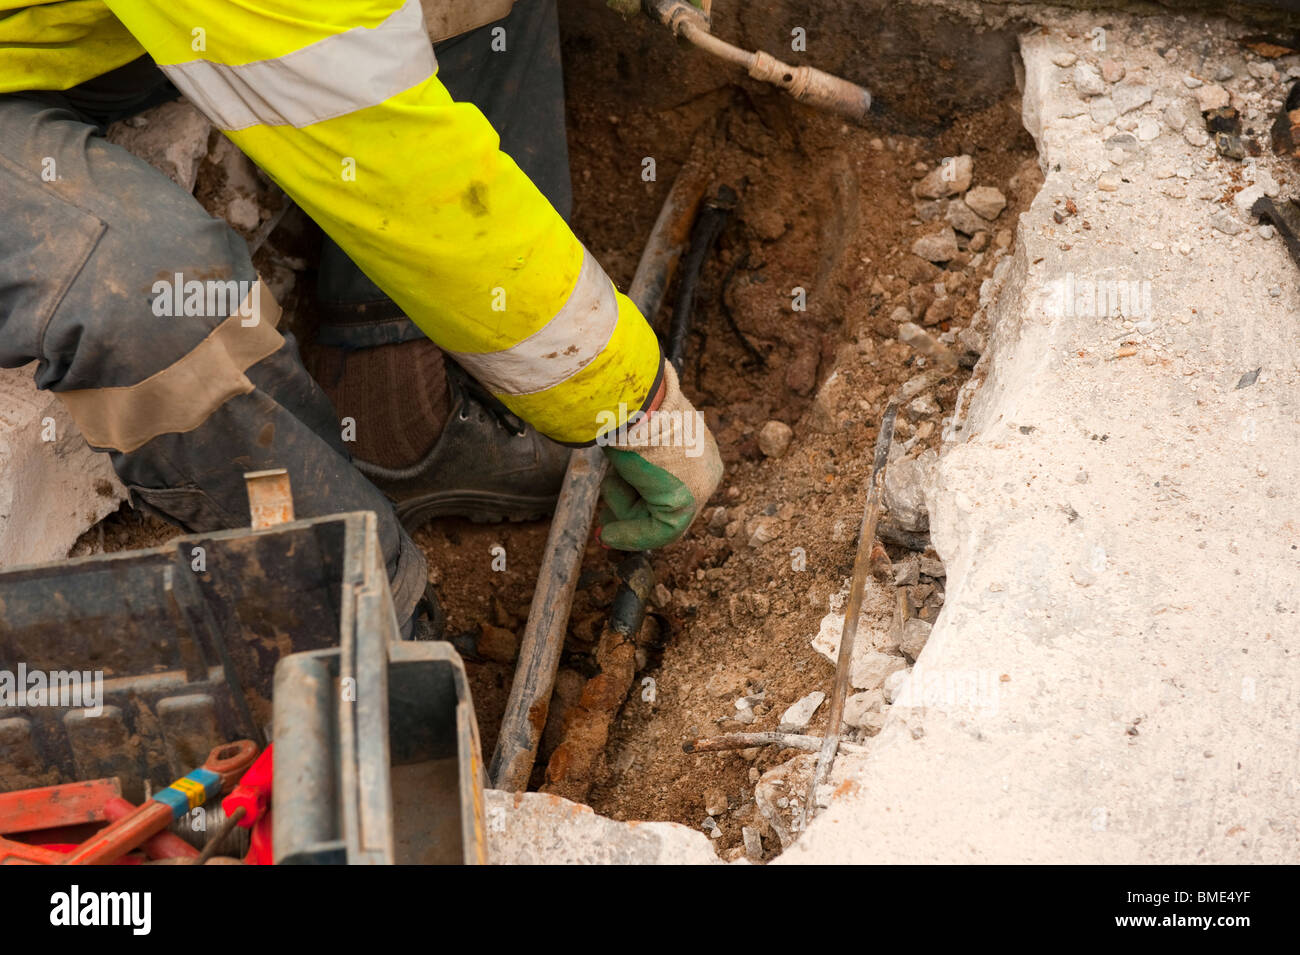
point(467, 335)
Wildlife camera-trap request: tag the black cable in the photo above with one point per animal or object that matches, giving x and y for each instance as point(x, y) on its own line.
point(708, 226)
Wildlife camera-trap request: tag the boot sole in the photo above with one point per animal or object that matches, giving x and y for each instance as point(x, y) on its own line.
point(480, 508)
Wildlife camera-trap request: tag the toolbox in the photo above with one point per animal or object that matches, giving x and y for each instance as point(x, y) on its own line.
point(284, 631)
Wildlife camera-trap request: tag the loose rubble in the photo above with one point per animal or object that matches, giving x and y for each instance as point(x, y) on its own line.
point(799, 714)
point(775, 438)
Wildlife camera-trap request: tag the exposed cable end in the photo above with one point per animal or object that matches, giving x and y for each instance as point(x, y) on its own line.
point(814, 87)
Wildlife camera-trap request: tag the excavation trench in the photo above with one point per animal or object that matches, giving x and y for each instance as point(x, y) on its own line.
point(794, 352)
point(824, 208)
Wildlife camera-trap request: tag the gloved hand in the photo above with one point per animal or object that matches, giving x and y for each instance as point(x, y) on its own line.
point(662, 471)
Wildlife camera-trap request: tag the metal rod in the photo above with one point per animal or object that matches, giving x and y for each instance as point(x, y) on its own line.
point(731, 741)
point(669, 238)
point(861, 570)
point(548, 618)
point(227, 826)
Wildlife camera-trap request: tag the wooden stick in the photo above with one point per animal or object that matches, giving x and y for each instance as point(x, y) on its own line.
point(730, 741)
point(861, 570)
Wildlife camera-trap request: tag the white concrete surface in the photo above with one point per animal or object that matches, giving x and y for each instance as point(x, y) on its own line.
point(541, 829)
point(1115, 676)
point(50, 490)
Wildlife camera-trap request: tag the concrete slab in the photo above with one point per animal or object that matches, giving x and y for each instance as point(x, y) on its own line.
point(1115, 674)
point(52, 485)
point(541, 829)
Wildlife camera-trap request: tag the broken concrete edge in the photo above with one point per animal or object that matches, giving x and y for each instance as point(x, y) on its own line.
point(1000, 316)
point(532, 828)
point(1078, 651)
point(999, 303)
point(1256, 14)
point(52, 485)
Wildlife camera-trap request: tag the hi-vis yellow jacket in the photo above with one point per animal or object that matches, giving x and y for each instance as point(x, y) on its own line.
point(339, 102)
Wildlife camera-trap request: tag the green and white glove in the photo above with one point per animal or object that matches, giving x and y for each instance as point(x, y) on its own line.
point(662, 471)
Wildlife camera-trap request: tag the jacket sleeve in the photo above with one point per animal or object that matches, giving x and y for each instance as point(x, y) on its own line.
point(341, 105)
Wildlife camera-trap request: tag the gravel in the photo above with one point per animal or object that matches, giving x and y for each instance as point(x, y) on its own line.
point(938, 247)
point(1131, 96)
point(915, 633)
point(1211, 97)
point(1112, 71)
point(962, 218)
point(950, 178)
point(986, 202)
point(1224, 222)
point(774, 438)
point(1103, 110)
point(860, 708)
point(800, 713)
point(904, 497)
point(1087, 81)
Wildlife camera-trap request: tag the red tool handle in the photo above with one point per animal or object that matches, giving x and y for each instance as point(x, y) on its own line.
point(13, 852)
point(165, 845)
point(134, 829)
point(118, 838)
point(254, 790)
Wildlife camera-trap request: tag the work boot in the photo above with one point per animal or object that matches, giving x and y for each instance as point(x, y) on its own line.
point(434, 440)
point(487, 465)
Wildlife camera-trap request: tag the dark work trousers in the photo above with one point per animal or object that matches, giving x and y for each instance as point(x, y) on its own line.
point(87, 229)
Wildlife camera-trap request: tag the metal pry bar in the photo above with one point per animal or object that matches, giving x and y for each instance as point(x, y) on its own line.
point(861, 570)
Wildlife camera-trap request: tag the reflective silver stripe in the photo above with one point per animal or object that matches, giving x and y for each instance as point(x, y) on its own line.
point(558, 350)
point(331, 77)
